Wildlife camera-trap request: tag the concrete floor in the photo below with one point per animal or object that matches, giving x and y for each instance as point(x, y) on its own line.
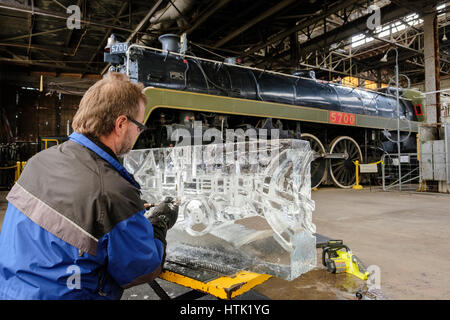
point(405, 234)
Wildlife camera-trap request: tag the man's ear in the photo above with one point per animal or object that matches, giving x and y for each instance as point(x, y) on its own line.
point(120, 125)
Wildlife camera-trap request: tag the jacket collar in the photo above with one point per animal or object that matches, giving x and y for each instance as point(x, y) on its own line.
point(113, 161)
point(102, 146)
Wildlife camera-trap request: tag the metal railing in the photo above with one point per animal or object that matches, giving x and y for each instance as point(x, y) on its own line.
point(410, 173)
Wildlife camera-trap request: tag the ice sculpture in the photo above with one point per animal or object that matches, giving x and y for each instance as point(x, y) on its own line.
point(244, 205)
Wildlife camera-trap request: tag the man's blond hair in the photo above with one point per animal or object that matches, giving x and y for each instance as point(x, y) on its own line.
point(105, 101)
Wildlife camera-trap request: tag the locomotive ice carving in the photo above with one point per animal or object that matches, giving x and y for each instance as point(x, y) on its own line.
point(223, 186)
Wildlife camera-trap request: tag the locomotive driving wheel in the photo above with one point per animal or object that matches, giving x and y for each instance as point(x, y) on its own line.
point(343, 170)
point(318, 166)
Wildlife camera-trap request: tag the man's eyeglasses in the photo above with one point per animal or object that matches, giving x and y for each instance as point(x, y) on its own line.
point(140, 126)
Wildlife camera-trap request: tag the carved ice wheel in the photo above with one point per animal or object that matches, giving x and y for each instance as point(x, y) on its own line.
point(280, 191)
point(198, 216)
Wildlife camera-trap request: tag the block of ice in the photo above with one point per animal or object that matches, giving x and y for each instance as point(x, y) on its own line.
point(244, 205)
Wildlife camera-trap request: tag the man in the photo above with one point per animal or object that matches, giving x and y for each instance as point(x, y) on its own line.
point(75, 225)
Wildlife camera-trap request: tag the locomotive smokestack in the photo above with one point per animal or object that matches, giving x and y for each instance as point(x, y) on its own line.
point(170, 42)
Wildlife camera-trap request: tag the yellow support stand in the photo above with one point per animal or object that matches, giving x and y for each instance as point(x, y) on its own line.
point(225, 287)
point(357, 186)
point(46, 141)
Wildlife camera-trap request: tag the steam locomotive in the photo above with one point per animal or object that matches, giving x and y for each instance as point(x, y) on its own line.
point(342, 124)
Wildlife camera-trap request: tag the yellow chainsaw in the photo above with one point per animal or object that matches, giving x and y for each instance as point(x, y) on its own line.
point(338, 258)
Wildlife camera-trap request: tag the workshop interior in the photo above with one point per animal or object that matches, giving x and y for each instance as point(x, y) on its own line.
point(306, 143)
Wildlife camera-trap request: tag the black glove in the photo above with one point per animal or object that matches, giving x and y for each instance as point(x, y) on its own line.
point(164, 217)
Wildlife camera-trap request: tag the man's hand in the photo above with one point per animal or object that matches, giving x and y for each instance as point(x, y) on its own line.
point(166, 211)
point(163, 217)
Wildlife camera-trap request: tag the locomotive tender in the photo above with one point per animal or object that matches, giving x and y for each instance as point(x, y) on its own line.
point(342, 124)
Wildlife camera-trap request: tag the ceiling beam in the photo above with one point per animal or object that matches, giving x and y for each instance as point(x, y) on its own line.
point(35, 47)
point(33, 34)
point(108, 32)
point(99, 5)
point(416, 6)
point(307, 22)
point(388, 13)
point(31, 21)
point(143, 23)
point(281, 5)
point(141, 26)
point(204, 17)
point(33, 63)
point(40, 12)
point(127, 15)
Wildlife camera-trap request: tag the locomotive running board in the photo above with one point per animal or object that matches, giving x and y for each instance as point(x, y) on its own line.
point(183, 100)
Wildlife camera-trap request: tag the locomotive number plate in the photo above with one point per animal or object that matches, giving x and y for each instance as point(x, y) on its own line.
point(120, 47)
point(342, 118)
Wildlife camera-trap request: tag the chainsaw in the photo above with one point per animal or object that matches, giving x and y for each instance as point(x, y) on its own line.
point(338, 258)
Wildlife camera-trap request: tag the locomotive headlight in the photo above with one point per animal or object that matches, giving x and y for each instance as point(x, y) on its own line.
point(111, 41)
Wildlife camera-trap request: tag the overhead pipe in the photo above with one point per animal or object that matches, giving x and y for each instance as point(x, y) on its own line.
point(173, 11)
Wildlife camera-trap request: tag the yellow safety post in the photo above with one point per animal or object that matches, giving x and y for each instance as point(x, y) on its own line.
point(17, 173)
point(417, 144)
point(357, 186)
point(19, 168)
